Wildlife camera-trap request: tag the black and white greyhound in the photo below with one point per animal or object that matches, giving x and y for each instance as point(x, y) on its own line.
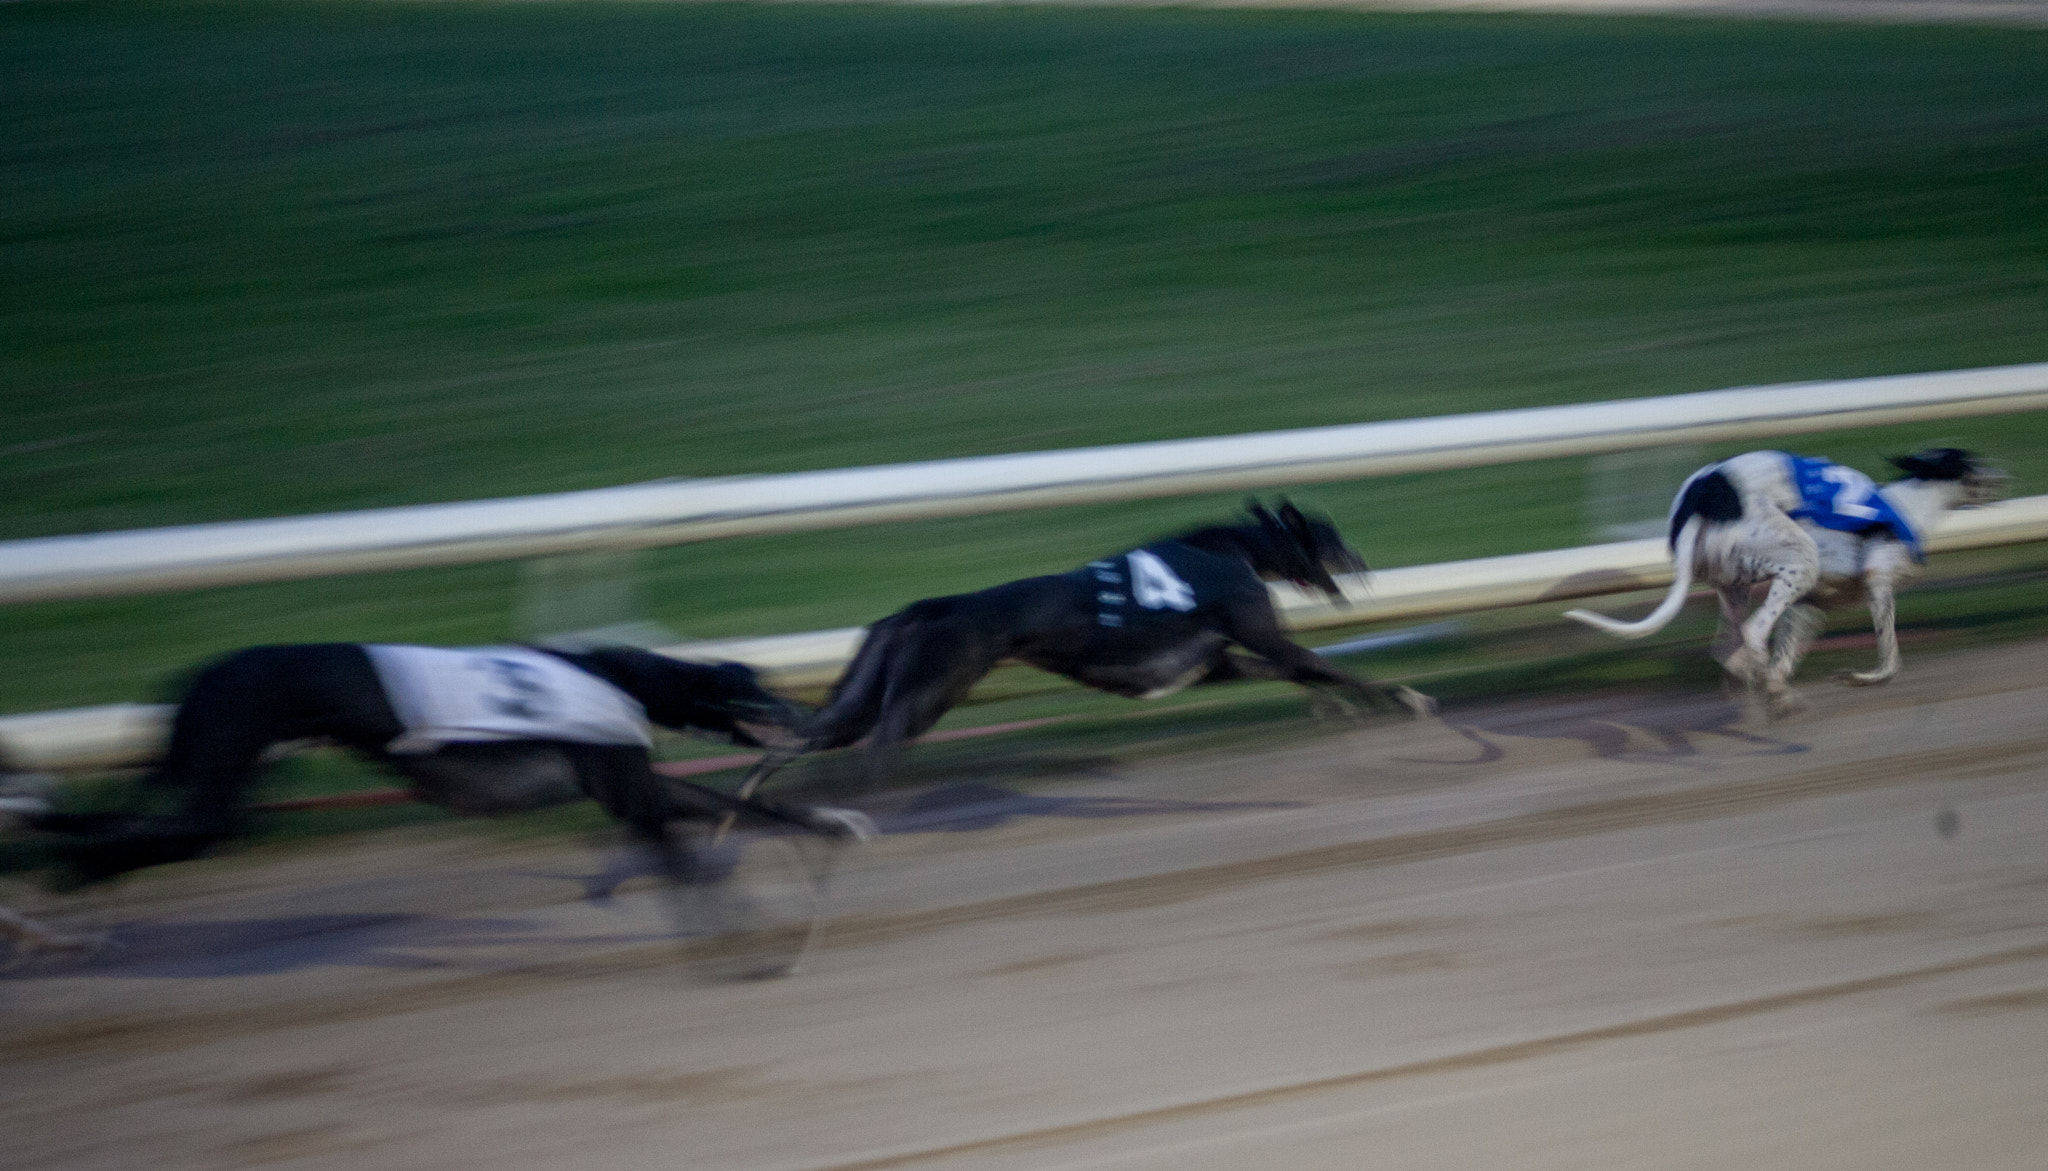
point(1142, 624)
point(1820, 536)
point(489, 730)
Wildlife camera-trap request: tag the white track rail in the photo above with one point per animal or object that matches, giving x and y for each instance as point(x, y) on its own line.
point(128, 734)
point(670, 513)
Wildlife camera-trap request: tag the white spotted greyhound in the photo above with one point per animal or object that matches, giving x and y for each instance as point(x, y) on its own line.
point(1821, 536)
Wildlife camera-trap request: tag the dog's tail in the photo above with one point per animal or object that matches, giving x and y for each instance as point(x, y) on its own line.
point(1683, 548)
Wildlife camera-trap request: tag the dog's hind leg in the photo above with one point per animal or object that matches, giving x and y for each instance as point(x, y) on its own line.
point(1776, 549)
point(885, 746)
point(1795, 633)
point(773, 761)
point(1754, 663)
point(935, 665)
point(1734, 602)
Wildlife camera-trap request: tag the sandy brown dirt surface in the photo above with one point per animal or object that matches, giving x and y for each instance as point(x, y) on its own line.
point(1618, 931)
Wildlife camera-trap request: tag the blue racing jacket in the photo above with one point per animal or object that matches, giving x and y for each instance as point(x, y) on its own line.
point(1846, 500)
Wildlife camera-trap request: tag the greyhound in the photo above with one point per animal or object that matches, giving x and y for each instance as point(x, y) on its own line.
point(1143, 624)
point(1820, 536)
point(490, 730)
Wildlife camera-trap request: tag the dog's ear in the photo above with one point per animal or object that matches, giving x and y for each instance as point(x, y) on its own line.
point(1911, 465)
point(1296, 520)
point(1935, 463)
point(1259, 513)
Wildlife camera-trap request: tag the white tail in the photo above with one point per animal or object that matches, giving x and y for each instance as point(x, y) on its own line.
point(1657, 619)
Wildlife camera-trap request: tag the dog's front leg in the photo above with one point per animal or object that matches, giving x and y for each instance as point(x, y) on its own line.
point(1309, 670)
point(1879, 581)
point(1258, 631)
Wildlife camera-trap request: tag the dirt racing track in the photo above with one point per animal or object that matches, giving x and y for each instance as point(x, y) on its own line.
point(1623, 931)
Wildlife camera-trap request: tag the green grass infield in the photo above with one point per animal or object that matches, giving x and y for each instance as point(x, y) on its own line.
point(276, 258)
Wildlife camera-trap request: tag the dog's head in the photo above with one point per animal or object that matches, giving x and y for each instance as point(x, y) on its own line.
point(1980, 480)
point(1311, 548)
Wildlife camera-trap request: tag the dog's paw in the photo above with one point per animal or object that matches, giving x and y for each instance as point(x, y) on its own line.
point(1850, 678)
point(849, 824)
point(1420, 706)
point(1784, 705)
point(1744, 666)
point(1332, 709)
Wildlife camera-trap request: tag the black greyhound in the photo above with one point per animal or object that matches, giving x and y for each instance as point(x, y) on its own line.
point(490, 730)
point(1142, 624)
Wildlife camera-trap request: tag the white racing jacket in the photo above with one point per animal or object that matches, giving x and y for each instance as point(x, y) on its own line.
point(500, 693)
